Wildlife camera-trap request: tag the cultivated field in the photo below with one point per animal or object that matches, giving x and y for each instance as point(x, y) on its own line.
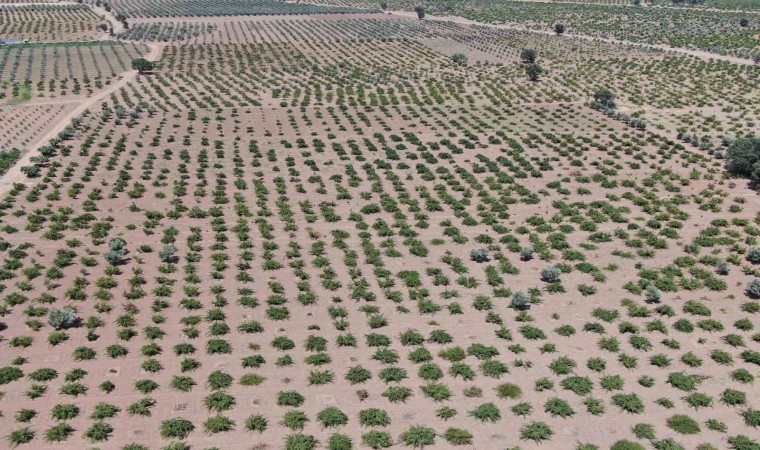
point(50, 22)
point(342, 229)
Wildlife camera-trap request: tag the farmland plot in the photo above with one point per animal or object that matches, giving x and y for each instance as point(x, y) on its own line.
point(300, 233)
point(65, 69)
point(50, 23)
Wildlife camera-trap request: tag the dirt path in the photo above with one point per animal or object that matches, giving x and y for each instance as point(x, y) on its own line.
point(701, 54)
point(14, 174)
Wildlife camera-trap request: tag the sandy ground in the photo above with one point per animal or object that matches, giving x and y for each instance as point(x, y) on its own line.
point(211, 155)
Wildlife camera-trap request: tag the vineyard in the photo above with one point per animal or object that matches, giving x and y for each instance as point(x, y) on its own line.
point(299, 228)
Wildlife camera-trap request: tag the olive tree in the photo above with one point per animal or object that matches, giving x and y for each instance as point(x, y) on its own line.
point(534, 72)
point(528, 56)
point(62, 318)
point(743, 158)
point(142, 65)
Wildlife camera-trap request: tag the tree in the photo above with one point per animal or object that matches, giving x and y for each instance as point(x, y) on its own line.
point(383, 5)
point(528, 56)
point(744, 158)
point(753, 255)
point(753, 288)
point(459, 58)
point(653, 294)
point(526, 254)
point(420, 10)
point(605, 98)
point(520, 300)
point(142, 65)
point(479, 255)
point(744, 22)
point(534, 71)
point(551, 274)
point(168, 254)
point(559, 29)
point(61, 319)
point(31, 171)
point(117, 251)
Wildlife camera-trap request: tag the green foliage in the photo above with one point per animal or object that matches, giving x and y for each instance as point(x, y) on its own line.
point(332, 417)
point(681, 423)
point(536, 431)
point(176, 428)
point(487, 413)
point(742, 158)
point(63, 318)
point(301, 441)
point(377, 439)
point(458, 436)
point(418, 436)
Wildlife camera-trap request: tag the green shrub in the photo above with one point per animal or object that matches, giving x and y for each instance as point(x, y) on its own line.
point(558, 407)
point(508, 391)
point(629, 403)
point(339, 442)
point(65, 411)
point(218, 424)
point(98, 432)
point(20, 436)
point(487, 412)
point(289, 398)
point(752, 417)
point(332, 417)
point(377, 439)
point(301, 441)
point(536, 431)
point(256, 422)
point(643, 431)
point(458, 436)
point(294, 419)
point(681, 423)
point(59, 433)
point(374, 417)
point(176, 428)
point(625, 444)
point(10, 374)
point(418, 436)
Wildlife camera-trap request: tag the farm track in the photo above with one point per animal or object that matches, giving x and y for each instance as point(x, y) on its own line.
point(14, 174)
point(701, 54)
